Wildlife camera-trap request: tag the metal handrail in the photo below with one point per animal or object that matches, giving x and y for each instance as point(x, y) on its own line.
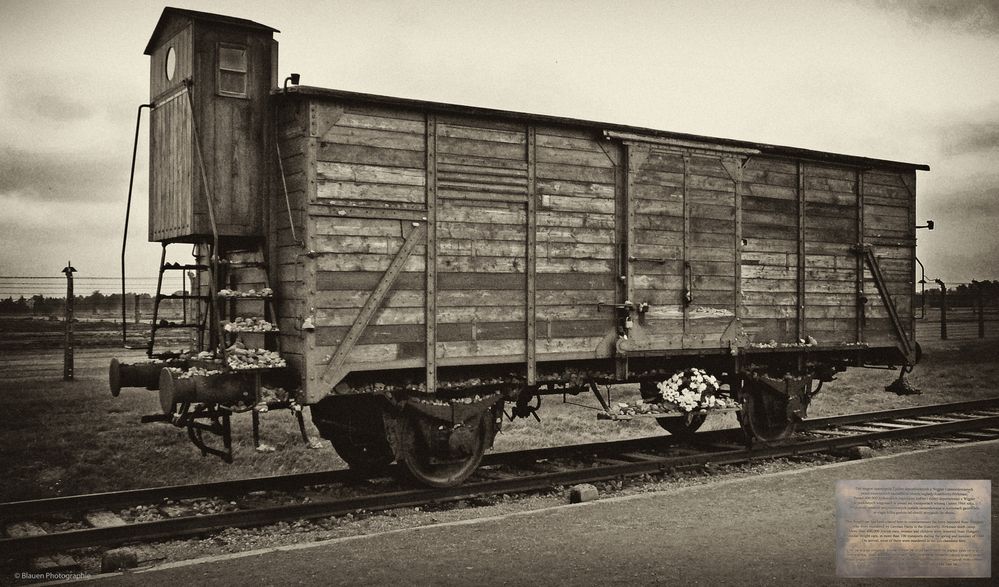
point(128, 212)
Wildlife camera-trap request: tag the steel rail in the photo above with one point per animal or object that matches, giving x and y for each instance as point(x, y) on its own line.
point(196, 525)
point(18, 510)
point(914, 412)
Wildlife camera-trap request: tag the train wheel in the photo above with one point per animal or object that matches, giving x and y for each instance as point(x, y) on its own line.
point(765, 415)
point(682, 427)
point(435, 462)
point(355, 428)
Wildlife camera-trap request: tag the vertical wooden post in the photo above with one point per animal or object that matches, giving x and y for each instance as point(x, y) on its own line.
point(861, 307)
point(183, 302)
point(67, 362)
point(625, 182)
point(734, 168)
point(532, 259)
point(135, 309)
point(632, 167)
point(737, 311)
point(801, 252)
point(430, 315)
point(688, 274)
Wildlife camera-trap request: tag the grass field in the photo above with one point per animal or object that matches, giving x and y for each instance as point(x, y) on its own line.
point(61, 438)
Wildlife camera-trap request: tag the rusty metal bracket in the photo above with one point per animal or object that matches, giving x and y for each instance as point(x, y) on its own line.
point(600, 398)
point(218, 424)
point(334, 370)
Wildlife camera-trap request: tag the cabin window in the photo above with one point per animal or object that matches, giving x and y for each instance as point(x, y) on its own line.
point(171, 64)
point(232, 70)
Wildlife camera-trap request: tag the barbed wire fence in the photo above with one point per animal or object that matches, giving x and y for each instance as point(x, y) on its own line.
point(958, 311)
point(95, 297)
point(37, 313)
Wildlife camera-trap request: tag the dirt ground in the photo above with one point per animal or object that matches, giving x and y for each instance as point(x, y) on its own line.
point(61, 438)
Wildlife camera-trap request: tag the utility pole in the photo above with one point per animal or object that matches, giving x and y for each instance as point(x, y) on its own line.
point(979, 288)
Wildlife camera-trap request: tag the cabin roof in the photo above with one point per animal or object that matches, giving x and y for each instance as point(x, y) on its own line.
point(763, 148)
point(170, 12)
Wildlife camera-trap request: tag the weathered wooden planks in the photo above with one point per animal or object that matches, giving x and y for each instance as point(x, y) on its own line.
point(711, 237)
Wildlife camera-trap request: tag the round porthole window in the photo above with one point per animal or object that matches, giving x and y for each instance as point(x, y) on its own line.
point(171, 63)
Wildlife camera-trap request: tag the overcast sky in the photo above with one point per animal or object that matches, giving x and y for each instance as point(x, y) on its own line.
point(909, 80)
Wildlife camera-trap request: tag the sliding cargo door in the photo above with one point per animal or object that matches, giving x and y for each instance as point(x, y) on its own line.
point(710, 252)
point(481, 261)
point(829, 230)
point(653, 254)
point(525, 243)
point(680, 252)
point(889, 223)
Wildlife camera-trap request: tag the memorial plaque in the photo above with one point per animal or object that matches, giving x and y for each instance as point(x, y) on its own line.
point(913, 528)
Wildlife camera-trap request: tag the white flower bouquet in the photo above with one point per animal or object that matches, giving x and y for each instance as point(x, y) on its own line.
point(694, 389)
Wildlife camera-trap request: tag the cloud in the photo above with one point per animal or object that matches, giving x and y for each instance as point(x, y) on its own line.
point(37, 94)
point(970, 137)
point(59, 108)
point(37, 237)
point(975, 16)
point(24, 210)
point(63, 176)
point(976, 198)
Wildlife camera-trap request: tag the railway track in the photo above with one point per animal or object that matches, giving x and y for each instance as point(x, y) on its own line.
point(501, 473)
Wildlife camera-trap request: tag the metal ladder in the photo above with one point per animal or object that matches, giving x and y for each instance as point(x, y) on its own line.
point(198, 325)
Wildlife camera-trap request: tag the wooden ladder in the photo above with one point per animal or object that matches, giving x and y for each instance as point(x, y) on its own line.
point(226, 311)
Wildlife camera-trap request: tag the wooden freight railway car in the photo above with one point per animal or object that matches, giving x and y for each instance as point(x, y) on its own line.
point(428, 262)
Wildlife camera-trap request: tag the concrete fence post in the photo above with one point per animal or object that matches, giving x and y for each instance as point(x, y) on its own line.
point(943, 309)
point(67, 362)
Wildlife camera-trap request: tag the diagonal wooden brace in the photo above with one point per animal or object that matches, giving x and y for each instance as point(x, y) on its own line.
point(879, 280)
point(334, 371)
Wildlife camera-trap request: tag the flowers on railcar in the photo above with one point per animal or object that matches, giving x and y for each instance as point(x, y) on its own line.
point(242, 324)
point(691, 389)
point(251, 293)
point(684, 392)
point(240, 357)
